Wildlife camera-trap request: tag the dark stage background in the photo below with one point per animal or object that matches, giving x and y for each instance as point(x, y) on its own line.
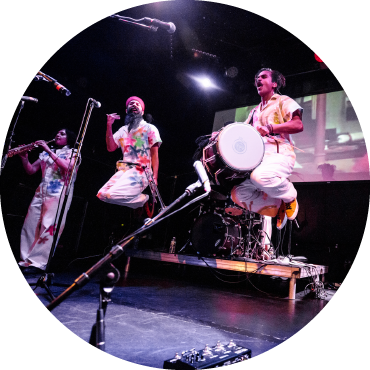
point(110, 61)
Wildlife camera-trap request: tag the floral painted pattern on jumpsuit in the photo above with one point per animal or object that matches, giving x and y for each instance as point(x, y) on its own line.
point(40, 223)
point(268, 185)
point(126, 185)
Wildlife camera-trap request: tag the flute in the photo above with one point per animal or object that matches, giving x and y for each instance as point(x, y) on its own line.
point(24, 148)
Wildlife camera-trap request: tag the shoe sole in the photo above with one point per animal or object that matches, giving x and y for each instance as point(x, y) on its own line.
point(291, 218)
point(283, 223)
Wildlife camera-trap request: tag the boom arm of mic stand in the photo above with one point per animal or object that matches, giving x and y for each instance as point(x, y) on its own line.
point(84, 278)
point(115, 252)
point(190, 189)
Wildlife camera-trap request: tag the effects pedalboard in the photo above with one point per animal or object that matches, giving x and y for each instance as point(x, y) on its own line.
point(209, 357)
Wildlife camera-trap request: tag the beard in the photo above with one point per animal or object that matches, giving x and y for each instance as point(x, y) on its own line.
point(132, 120)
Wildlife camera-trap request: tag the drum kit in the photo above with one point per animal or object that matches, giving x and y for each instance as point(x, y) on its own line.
point(223, 228)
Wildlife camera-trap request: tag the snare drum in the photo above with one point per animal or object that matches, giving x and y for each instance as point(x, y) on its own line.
point(233, 153)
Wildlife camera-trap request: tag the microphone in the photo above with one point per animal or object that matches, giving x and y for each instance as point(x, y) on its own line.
point(97, 104)
point(62, 88)
point(57, 85)
point(191, 188)
point(40, 78)
point(29, 98)
point(202, 175)
point(168, 26)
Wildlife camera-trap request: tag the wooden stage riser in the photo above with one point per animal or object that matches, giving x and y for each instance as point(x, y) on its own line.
point(240, 266)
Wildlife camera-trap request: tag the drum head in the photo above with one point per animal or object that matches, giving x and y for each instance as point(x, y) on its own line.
point(241, 147)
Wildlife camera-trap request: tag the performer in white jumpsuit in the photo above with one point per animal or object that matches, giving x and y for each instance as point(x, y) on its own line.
point(41, 221)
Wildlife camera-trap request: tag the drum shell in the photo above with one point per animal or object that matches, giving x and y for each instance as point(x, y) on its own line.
point(215, 235)
point(233, 154)
point(228, 177)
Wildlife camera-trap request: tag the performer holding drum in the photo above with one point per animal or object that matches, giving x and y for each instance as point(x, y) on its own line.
point(253, 160)
point(268, 190)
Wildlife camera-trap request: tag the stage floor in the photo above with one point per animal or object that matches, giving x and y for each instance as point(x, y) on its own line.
point(161, 309)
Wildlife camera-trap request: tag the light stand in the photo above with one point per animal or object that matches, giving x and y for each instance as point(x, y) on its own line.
point(44, 281)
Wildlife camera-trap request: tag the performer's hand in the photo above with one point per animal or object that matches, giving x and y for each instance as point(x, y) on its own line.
point(23, 155)
point(262, 130)
point(112, 117)
point(42, 144)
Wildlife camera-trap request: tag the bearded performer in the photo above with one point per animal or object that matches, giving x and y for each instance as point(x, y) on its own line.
point(139, 142)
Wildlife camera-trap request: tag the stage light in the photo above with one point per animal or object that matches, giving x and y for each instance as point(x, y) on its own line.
point(205, 82)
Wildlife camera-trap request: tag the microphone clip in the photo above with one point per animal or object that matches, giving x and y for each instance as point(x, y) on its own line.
point(191, 188)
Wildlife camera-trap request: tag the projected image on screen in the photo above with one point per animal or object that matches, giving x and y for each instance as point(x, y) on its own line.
point(332, 145)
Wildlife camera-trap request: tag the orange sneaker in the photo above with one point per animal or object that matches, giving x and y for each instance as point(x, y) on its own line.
point(281, 217)
point(291, 209)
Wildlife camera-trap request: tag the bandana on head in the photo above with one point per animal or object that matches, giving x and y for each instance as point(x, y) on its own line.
point(137, 99)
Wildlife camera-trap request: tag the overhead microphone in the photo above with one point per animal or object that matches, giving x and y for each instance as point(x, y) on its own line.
point(62, 89)
point(202, 175)
point(29, 98)
point(168, 26)
point(40, 78)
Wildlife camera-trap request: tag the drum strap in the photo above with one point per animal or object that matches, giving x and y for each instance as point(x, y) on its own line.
point(251, 120)
point(277, 141)
point(270, 135)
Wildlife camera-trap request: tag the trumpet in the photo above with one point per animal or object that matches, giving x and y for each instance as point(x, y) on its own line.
point(24, 148)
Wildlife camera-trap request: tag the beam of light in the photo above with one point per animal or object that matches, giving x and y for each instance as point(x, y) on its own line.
point(205, 82)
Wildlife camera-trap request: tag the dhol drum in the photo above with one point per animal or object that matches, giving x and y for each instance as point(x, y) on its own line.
point(214, 235)
point(233, 153)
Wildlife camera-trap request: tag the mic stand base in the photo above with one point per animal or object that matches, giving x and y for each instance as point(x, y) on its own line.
point(107, 280)
point(44, 281)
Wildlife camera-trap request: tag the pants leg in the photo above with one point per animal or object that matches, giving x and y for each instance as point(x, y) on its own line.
point(248, 196)
point(267, 232)
point(39, 227)
point(268, 185)
point(31, 228)
point(271, 176)
point(124, 188)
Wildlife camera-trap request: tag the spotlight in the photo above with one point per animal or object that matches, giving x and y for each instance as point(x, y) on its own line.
point(205, 82)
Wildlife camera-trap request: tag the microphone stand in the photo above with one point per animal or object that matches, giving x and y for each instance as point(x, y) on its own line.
point(118, 249)
point(10, 138)
point(44, 281)
point(134, 22)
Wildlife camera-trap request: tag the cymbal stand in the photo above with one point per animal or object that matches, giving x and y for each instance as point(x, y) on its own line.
point(290, 239)
point(248, 238)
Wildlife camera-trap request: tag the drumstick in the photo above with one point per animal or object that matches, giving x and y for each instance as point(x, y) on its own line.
point(282, 141)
